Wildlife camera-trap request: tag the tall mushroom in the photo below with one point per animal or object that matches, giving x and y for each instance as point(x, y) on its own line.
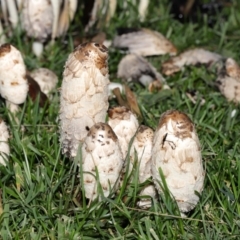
point(176, 152)
point(84, 94)
point(13, 82)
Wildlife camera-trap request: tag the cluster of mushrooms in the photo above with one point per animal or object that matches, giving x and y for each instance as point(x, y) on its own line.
point(111, 149)
point(171, 154)
point(174, 147)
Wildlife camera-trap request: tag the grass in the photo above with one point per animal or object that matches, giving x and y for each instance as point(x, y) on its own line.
point(40, 193)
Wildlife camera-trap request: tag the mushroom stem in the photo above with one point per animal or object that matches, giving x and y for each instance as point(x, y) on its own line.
point(142, 9)
point(56, 10)
point(4, 10)
point(37, 48)
point(72, 8)
point(13, 13)
point(12, 107)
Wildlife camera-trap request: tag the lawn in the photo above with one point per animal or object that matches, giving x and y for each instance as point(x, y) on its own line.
point(40, 194)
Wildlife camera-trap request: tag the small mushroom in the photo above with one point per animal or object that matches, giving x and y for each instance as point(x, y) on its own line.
point(125, 124)
point(190, 57)
point(142, 146)
point(13, 81)
point(101, 152)
point(133, 67)
point(144, 42)
point(177, 153)
point(4, 146)
point(228, 80)
point(84, 94)
point(46, 79)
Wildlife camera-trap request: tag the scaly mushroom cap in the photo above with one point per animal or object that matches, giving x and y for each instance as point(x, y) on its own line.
point(46, 79)
point(133, 67)
point(144, 42)
point(142, 146)
point(37, 18)
point(125, 124)
point(84, 94)
point(13, 82)
point(190, 57)
point(228, 80)
point(176, 150)
point(4, 147)
point(101, 150)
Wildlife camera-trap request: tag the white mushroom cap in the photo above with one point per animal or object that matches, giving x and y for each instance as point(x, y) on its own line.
point(4, 147)
point(84, 94)
point(125, 124)
point(176, 151)
point(101, 150)
point(46, 79)
point(189, 57)
point(13, 82)
point(37, 18)
point(144, 42)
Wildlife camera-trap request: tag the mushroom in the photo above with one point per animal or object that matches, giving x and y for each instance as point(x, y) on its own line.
point(228, 80)
point(133, 67)
point(125, 124)
point(177, 154)
point(4, 147)
point(84, 94)
point(101, 153)
point(37, 21)
point(144, 42)
point(142, 146)
point(46, 79)
point(190, 57)
point(13, 81)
